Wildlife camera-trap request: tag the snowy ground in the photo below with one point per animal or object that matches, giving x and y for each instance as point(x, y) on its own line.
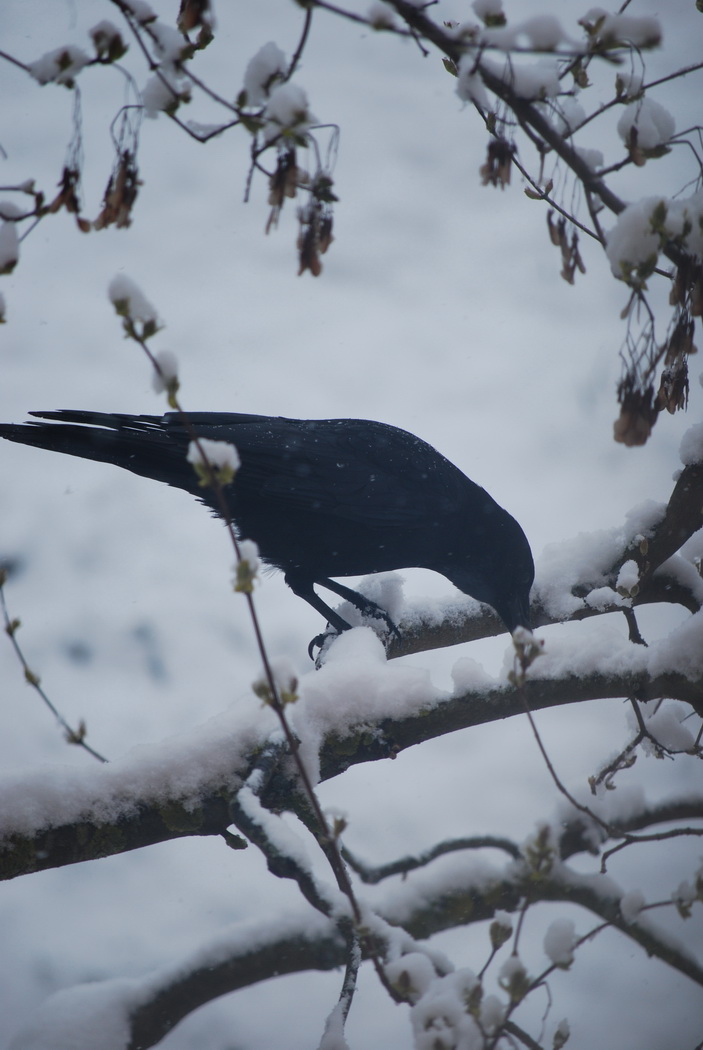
point(440, 310)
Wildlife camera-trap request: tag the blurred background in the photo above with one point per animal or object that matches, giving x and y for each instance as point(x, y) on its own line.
point(441, 310)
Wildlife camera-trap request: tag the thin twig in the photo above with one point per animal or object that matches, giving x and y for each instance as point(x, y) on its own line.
point(73, 736)
point(403, 865)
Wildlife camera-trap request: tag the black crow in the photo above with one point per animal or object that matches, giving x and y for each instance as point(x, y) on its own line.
point(323, 498)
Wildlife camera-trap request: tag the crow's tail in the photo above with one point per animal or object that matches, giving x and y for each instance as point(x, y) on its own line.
point(146, 445)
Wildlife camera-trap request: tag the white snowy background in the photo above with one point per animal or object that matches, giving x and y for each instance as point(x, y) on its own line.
point(440, 310)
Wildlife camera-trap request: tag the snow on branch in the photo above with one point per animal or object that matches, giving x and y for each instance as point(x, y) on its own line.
point(183, 788)
point(462, 890)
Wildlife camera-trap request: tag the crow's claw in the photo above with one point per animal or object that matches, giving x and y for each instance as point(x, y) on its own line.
point(321, 641)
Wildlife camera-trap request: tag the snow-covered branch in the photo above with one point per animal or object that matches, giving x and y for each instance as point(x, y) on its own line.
point(96, 815)
point(582, 578)
point(458, 891)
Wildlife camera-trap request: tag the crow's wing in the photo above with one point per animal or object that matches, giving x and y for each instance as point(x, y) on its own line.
point(359, 470)
point(362, 471)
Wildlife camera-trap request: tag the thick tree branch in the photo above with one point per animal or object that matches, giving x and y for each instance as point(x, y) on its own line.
point(424, 632)
point(93, 836)
point(176, 994)
point(176, 997)
point(683, 518)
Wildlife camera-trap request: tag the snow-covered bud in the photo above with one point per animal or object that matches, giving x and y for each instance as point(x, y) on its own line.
point(527, 649)
point(500, 930)
point(337, 820)
point(264, 70)
point(608, 31)
point(469, 86)
point(285, 681)
point(514, 979)
point(491, 1014)
point(490, 12)
point(60, 66)
point(215, 462)
point(163, 93)
point(411, 975)
point(9, 241)
point(131, 304)
point(646, 127)
point(559, 942)
point(561, 1034)
point(141, 11)
point(247, 567)
point(287, 113)
point(684, 897)
point(381, 16)
point(165, 374)
point(540, 851)
point(631, 904)
point(628, 581)
point(109, 45)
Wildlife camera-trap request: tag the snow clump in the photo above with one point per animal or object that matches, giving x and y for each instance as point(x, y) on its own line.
point(9, 240)
point(611, 30)
point(488, 10)
point(593, 158)
point(537, 81)
point(691, 449)
point(469, 85)
point(570, 114)
point(492, 1013)
point(646, 125)
point(631, 904)
point(665, 725)
point(216, 454)
point(287, 111)
point(633, 244)
point(129, 300)
point(164, 376)
point(60, 66)
point(559, 942)
point(171, 45)
point(381, 16)
point(267, 67)
point(541, 33)
point(413, 973)
point(628, 578)
point(163, 93)
point(440, 1018)
point(141, 10)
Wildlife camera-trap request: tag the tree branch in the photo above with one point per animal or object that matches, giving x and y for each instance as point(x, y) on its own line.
point(683, 518)
point(178, 991)
point(91, 835)
point(425, 631)
point(174, 997)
